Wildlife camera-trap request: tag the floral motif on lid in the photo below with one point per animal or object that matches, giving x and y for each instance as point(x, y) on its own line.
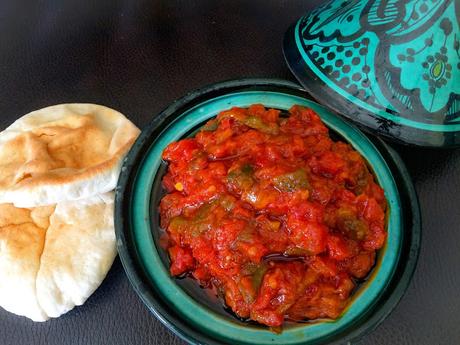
point(399, 60)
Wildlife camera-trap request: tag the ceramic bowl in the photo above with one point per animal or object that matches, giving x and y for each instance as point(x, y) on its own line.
point(187, 309)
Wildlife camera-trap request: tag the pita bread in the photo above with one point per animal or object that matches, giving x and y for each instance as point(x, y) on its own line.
point(63, 152)
point(21, 244)
point(53, 258)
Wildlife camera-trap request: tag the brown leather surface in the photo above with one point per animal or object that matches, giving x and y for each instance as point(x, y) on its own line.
point(137, 57)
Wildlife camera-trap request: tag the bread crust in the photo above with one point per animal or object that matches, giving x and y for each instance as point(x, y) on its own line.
point(53, 258)
point(63, 152)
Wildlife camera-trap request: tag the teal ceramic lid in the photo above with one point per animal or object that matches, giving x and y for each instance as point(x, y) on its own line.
point(390, 66)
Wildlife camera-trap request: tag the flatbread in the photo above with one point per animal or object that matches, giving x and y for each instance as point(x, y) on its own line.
point(53, 258)
point(63, 152)
point(22, 237)
point(79, 251)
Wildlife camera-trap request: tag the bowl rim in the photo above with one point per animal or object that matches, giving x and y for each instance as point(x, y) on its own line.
point(126, 246)
point(147, 188)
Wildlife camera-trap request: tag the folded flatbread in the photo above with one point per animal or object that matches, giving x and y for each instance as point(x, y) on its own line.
point(53, 258)
point(63, 152)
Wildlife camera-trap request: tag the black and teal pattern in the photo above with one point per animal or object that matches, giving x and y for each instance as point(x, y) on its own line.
point(397, 61)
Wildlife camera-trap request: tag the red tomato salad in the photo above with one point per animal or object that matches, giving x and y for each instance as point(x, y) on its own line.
point(272, 213)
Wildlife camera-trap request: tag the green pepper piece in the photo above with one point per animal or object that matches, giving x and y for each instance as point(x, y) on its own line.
point(257, 123)
point(210, 126)
point(362, 182)
point(241, 178)
point(355, 228)
point(197, 161)
point(178, 224)
point(349, 224)
point(204, 211)
point(246, 235)
point(293, 181)
point(256, 271)
point(258, 276)
point(196, 225)
point(249, 268)
point(199, 228)
point(227, 202)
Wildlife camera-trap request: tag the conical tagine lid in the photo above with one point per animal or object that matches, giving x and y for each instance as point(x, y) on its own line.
point(390, 66)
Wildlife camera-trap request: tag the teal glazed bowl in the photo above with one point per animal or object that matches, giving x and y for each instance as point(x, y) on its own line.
point(188, 310)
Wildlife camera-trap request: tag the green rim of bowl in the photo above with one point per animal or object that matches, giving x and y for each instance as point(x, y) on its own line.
point(173, 124)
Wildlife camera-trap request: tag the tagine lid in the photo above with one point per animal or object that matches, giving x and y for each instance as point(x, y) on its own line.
point(391, 67)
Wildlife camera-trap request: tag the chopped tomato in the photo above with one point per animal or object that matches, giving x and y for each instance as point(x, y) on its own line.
point(272, 213)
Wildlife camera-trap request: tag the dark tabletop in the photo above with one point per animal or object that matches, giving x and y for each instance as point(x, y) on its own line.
point(137, 57)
